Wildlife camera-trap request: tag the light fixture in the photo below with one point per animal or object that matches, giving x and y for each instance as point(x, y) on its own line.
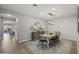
point(35, 5)
point(53, 12)
point(50, 14)
point(53, 9)
point(7, 16)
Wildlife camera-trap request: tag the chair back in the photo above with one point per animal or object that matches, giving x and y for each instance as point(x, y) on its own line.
point(58, 34)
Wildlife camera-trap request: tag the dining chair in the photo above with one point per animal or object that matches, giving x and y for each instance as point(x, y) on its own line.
point(55, 40)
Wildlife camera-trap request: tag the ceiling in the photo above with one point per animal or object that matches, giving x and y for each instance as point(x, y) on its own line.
point(41, 10)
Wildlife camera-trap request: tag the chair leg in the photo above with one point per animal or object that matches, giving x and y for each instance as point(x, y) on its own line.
point(39, 43)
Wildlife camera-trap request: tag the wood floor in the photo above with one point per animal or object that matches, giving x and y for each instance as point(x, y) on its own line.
point(9, 45)
point(73, 48)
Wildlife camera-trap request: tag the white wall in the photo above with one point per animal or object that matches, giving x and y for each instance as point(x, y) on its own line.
point(67, 26)
point(24, 24)
point(0, 27)
point(78, 46)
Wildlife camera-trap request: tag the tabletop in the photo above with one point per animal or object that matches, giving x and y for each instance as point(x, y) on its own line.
point(47, 35)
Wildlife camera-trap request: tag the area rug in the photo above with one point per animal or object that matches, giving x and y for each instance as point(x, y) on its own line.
point(64, 47)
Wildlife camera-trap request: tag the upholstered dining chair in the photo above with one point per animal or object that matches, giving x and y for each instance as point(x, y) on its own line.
point(57, 37)
point(55, 40)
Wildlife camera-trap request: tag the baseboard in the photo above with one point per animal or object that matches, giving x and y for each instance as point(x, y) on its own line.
point(69, 39)
point(22, 41)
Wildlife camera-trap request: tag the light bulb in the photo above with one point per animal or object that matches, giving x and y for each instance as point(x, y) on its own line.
point(53, 8)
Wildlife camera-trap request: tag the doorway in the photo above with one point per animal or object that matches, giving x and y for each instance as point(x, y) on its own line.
point(9, 25)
